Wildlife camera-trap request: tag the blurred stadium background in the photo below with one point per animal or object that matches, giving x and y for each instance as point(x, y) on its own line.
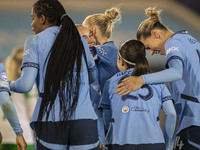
point(15, 20)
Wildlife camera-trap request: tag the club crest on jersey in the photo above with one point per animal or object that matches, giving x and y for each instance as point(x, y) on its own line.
point(125, 109)
point(4, 76)
point(96, 87)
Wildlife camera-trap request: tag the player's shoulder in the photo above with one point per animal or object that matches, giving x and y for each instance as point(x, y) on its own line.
point(32, 40)
point(178, 37)
point(173, 41)
point(106, 45)
point(118, 77)
point(174, 44)
point(158, 86)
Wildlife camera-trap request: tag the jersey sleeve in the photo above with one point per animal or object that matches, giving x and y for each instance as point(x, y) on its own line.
point(30, 66)
point(170, 123)
point(103, 53)
point(170, 113)
point(105, 105)
point(26, 81)
point(165, 94)
point(30, 58)
point(4, 84)
point(6, 103)
point(10, 112)
point(174, 50)
point(105, 102)
point(173, 73)
point(90, 61)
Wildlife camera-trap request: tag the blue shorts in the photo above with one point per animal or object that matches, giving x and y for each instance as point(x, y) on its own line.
point(157, 146)
point(188, 139)
point(69, 135)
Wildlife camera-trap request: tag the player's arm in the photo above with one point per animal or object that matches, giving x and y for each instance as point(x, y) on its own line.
point(170, 113)
point(170, 123)
point(173, 73)
point(6, 103)
point(132, 83)
point(105, 105)
point(11, 114)
point(26, 81)
point(90, 61)
point(30, 67)
point(93, 51)
point(9, 109)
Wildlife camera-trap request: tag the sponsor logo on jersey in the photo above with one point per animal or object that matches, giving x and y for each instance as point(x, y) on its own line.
point(4, 76)
point(125, 109)
point(172, 49)
point(26, 52)
point(136, 108)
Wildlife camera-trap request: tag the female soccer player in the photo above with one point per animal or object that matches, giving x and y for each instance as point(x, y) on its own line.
point(59, 60)
point(9, 109)
point(182, 53)
point(13, 67)
point(105, 53)
point(133, 119)
point(87, 34)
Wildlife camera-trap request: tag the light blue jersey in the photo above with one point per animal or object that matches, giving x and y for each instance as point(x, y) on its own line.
point(36, 50)
point(107, 62)
point(186, 91)
point(6, 103)
point(135, 117)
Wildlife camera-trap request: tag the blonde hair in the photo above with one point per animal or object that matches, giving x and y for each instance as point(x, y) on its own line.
point(105, 22)
point(78, 25)
point(153, 22)
point(13, 63)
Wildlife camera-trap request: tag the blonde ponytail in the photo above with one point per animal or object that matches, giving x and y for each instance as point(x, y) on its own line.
point(153, 22)
point(105, 22)
point(153, 14)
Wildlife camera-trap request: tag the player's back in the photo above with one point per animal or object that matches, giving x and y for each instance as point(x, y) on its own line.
point(135, 116)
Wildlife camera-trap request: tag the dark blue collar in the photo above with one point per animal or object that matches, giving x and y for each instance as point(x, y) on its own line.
point(109, 42)
point(181, 32)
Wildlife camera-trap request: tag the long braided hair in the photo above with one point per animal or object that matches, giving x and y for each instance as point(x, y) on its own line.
point(63, 62)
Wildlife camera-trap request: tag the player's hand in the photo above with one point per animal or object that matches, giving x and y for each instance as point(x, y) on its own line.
point(101, 147)
point(0, 138)
point(21, 143)
point(129, 85)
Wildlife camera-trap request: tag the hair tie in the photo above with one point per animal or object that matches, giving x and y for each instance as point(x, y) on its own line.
point(131, 63)
point(63, 16)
